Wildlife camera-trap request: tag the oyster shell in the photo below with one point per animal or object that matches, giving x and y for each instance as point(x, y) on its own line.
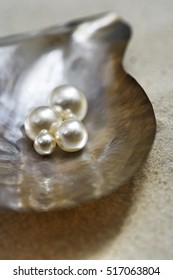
point(87, 54)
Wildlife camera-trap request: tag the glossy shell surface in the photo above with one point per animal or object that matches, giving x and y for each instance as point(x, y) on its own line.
point(87, 54)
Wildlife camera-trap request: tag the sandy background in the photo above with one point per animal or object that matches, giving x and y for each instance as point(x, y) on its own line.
point(137, 221)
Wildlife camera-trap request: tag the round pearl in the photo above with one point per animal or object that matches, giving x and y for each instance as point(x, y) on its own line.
point(38, 119)
point(54, 127)
point(68, 97)
point(67, 115)
point(44, 143)
point(57, 109)
point(71, 136)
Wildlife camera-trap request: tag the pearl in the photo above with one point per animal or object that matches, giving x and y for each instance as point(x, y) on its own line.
point(67, 115)
point(44, 143)
point(71, 136)
point(38, 119)
point(57, 109)
point(68, 97)
point(54, 127)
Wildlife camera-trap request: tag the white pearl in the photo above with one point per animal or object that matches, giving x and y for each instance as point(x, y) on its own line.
point(38, 119)
point(53, 128)
point(44, 143)
point(69, 97)
point(57, 109)
point(71, 136)
point(67, 115)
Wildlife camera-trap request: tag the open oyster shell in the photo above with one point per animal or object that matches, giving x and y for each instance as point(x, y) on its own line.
point(87, 54)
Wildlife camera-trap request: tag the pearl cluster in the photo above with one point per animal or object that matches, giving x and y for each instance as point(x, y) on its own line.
point(60, 123)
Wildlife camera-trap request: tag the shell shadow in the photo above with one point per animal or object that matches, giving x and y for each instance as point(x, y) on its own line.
point(78, 233)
